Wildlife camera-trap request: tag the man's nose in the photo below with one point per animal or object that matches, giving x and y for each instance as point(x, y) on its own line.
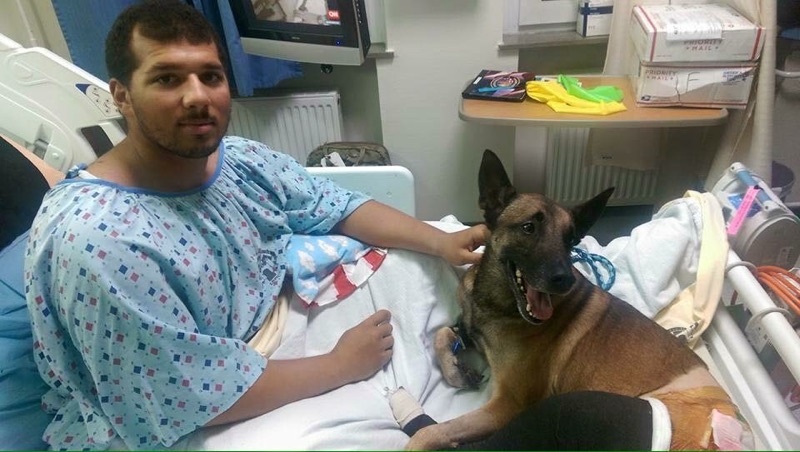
point(195, 93)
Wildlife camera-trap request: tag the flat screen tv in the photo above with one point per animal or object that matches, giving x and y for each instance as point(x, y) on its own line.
point(310, 31)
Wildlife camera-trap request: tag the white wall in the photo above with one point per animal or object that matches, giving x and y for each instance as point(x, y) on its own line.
point(438, 47)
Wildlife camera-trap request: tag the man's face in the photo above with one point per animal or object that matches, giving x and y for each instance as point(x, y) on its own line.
point(178, 100)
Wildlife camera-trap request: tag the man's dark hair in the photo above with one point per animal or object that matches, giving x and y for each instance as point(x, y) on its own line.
point(164, 21)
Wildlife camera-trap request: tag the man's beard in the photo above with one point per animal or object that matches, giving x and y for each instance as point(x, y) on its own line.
point(171, 144)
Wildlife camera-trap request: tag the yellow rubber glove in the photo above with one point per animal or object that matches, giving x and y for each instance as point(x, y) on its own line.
point(556, 97)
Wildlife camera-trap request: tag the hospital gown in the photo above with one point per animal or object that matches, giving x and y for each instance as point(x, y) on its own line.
point(141, 301)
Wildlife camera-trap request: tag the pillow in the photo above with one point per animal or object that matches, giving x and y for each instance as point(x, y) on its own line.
point(22, 421)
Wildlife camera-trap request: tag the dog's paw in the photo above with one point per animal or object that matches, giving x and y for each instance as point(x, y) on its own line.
point(470, 377)
point(444, 343)
point(430, 438)
point(455, 372)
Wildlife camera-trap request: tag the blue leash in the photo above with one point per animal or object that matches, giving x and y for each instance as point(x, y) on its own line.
point(594, 260)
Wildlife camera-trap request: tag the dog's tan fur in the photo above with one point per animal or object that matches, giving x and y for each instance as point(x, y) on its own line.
point(591, 340)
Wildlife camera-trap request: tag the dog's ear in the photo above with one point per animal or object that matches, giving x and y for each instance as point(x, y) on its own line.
point(495, 188)
point(586, 214)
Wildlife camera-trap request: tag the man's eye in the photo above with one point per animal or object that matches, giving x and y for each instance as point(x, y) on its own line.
point(166, 79)
point(213, 78)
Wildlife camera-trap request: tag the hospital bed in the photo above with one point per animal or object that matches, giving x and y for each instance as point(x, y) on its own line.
point(65, 116)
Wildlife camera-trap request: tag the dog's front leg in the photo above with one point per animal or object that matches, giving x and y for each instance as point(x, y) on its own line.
point(472, 426)
point(455, 372)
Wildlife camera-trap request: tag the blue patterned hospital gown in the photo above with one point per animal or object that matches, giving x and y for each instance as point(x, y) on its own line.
point(141, 301)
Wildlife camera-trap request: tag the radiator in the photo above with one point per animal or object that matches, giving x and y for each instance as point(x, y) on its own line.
point(570, 180)
point(291, 122)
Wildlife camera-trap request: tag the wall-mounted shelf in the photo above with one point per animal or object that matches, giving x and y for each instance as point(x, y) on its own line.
point(378, 50)
point(536, 114)
point(527, 40)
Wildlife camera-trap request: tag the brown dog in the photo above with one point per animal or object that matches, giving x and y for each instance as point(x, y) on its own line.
point(544, 329)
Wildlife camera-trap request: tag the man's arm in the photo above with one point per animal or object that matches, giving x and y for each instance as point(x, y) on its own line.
point(383, 226)
point(360, 352)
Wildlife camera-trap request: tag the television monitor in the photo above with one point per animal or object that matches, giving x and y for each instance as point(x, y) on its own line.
point(310, 31)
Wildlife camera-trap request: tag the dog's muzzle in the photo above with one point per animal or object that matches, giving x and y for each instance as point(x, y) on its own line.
point(534, 306)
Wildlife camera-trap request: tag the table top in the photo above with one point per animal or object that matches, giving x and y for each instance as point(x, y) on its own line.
point(532, 113)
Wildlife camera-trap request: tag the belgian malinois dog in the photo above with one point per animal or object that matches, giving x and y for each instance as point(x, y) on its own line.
point(544, 329)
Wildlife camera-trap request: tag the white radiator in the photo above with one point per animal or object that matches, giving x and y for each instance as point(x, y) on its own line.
point(291, 122)
point(570, 180)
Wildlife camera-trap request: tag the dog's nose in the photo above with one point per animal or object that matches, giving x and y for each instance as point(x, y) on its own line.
point(561, 281)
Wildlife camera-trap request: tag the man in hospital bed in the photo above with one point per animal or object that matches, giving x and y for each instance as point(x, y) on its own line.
point(148, 270)
point(418, 289)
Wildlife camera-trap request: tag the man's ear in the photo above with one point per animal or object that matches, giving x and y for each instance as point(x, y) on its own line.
point(119, 92)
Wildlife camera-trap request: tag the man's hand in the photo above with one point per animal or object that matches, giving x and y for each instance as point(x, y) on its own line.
point(365, 348)
point(360, 352)
point(458, 248)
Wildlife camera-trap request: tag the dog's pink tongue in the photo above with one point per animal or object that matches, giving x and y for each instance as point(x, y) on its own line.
point(539, 304)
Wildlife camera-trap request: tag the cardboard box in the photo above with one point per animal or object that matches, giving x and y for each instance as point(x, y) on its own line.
point(694, 32)
point(594, 17)
point(710, 85)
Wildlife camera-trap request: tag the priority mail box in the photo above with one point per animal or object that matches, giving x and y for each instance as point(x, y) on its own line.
point(594, 17)
point(708, 85)
point(694, 32)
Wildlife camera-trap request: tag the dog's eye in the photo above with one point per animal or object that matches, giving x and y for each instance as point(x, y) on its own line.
point(529, 227)
point(571, 239)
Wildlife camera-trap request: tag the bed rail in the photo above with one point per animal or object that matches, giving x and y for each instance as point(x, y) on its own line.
point(740, 368)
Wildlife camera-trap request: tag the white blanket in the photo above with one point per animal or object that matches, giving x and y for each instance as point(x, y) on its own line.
point(658, 260)
point(420, 292)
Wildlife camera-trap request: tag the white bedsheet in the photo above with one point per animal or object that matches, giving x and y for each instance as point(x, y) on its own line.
point(420, 292)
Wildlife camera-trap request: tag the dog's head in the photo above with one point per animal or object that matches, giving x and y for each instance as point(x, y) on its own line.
point(532, 238)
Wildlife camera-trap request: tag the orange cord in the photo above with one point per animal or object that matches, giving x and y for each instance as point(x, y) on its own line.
point(783, 283)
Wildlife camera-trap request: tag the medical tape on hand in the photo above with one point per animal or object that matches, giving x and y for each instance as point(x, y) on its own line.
point(741, 212)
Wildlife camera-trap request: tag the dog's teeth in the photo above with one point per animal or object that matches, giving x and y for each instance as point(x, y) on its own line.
point(519, 279)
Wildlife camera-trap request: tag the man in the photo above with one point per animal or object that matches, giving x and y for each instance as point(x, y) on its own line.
point(149, 269)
